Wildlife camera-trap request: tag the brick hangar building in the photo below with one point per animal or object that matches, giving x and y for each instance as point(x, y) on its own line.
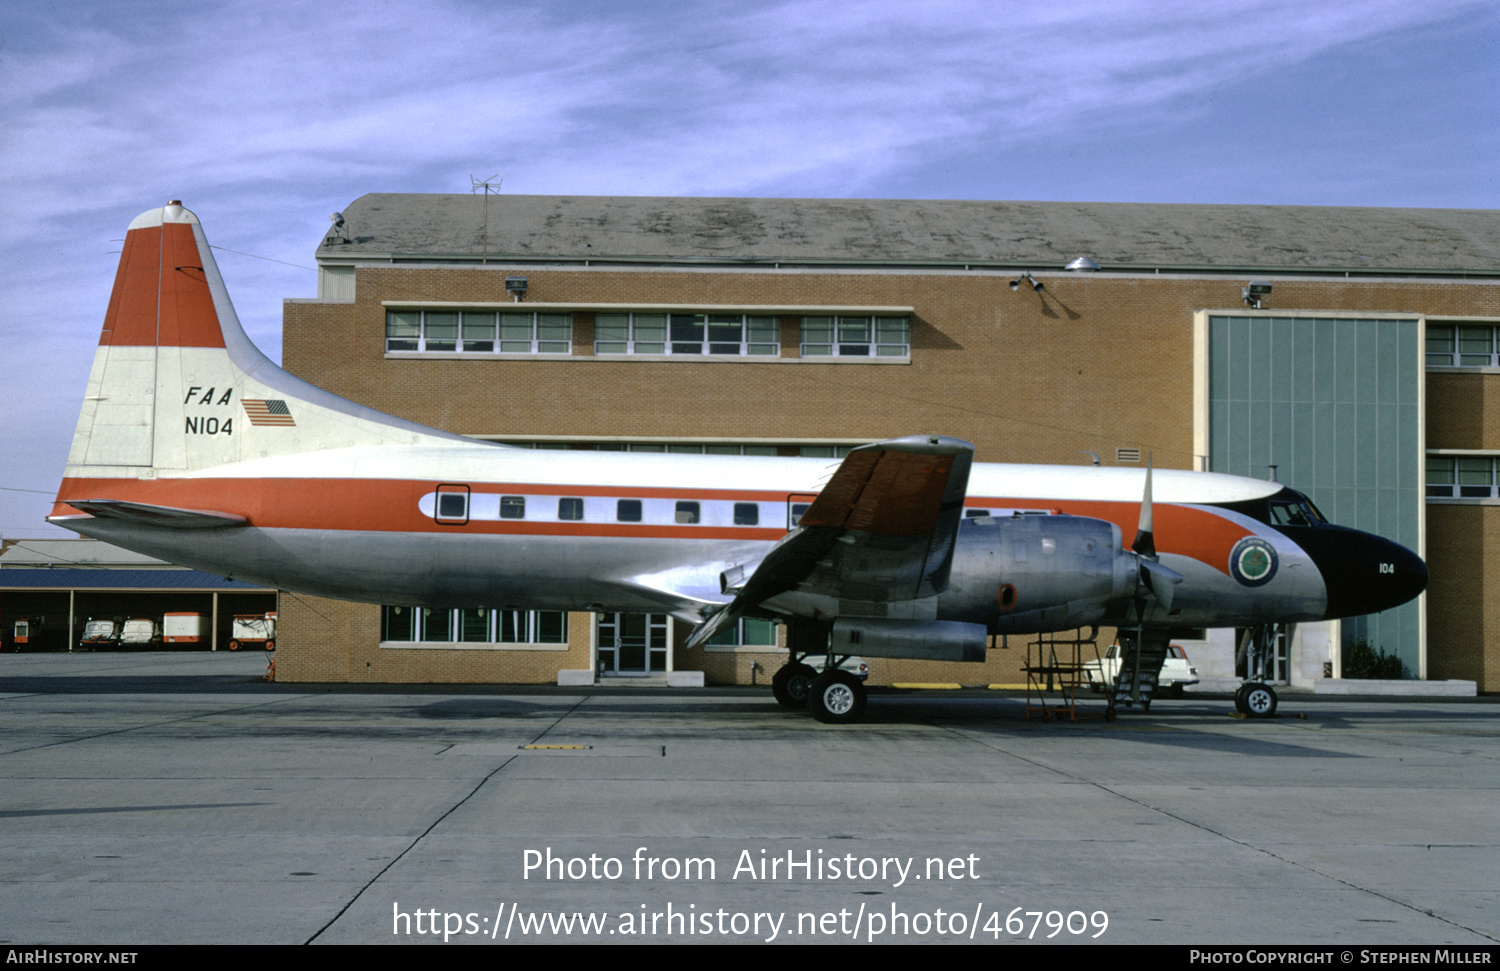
point(1362, 369)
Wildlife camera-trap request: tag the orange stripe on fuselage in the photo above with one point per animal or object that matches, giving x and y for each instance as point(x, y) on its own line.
point(161, 296)
point(390, 505)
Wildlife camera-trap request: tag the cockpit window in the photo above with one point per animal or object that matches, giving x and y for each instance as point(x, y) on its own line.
point(1286, 508)
point(1291, 508)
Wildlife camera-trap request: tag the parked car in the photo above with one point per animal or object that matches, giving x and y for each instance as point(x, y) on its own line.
point(99, 634)
point(140, 632)
point(1176, 672)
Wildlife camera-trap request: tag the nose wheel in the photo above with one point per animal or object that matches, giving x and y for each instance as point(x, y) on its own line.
point(1255, 700)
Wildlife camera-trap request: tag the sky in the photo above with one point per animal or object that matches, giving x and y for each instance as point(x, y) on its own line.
point(266, 116)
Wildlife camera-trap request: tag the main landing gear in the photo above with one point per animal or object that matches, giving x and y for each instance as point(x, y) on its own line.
point(791, 683)
point(835, 696)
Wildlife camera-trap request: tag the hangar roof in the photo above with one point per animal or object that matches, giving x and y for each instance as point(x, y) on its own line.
point(425, 227)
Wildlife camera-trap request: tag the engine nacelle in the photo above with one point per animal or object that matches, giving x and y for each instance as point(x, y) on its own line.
point(1028, 574)
point(929, 640)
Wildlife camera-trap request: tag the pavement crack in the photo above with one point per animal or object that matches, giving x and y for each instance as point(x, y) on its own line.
point(434, 825)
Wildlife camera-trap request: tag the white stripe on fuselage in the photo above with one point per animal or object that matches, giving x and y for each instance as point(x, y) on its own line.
point(483, 463)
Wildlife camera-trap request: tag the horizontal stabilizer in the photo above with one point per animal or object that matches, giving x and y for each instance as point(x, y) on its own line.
point(156, 515)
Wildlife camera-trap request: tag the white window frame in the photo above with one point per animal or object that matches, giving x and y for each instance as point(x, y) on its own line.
point(844, 342)
point(1455, 490)
point(531, 620)
point(535, 342)
point(1455, 355)
point(745, 343)
point(721, 640)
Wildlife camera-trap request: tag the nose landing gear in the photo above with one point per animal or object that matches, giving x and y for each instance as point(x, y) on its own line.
point(1255, 700)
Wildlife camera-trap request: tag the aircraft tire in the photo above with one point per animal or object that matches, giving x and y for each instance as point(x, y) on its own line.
point(836, 698)
point(791, 684)
point(1260, 701)
point(1239, 699)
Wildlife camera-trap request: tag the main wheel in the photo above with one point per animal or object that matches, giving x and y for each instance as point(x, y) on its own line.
point(836, 697)
point(1239, 699)
point(790, 685)
point(1260, 701)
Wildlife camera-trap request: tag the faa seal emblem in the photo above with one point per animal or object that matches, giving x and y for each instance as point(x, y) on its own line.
point(1253, 561)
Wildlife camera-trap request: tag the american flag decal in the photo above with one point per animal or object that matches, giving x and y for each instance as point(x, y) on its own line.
point(267, 411)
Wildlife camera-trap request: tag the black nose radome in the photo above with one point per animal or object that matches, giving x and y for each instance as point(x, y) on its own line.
point(1364, 573)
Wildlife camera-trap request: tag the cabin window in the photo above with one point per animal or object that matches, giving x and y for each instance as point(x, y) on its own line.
point(746, 514)
point(452, 506)
point(628, 510)
point(512, 507)
point(570, 509)
point(688, 513)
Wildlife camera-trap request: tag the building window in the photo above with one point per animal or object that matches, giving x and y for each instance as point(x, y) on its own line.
point(472, 625)
point(856, 337)
point(714, 334)
point(746, 632)
point(482, 332)
point(1463, 345)
point(532, 627)
point(1461, 477)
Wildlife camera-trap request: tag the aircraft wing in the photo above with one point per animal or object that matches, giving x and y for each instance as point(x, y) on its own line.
point(156, 515)
point(882, 531)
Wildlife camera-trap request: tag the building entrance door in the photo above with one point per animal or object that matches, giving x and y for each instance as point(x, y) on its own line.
point(631, 645)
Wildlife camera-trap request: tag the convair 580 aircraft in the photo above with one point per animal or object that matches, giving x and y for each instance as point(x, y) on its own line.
point(192, 446)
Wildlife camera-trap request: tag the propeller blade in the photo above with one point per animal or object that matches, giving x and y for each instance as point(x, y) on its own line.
point(1161, 581)
point(1145, 543)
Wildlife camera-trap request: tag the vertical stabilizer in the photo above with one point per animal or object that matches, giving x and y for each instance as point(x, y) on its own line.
point(177, 387)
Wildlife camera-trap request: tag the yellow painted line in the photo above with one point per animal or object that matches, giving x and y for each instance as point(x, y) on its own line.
point(557, 746)
point(1006, 687)
point(928, 685)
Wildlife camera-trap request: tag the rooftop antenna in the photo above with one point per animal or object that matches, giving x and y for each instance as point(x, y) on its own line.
point(492, 184)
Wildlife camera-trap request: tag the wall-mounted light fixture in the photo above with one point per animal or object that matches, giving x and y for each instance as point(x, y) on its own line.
point(1255, 291)
point(1026, 278)
point(516, 287)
